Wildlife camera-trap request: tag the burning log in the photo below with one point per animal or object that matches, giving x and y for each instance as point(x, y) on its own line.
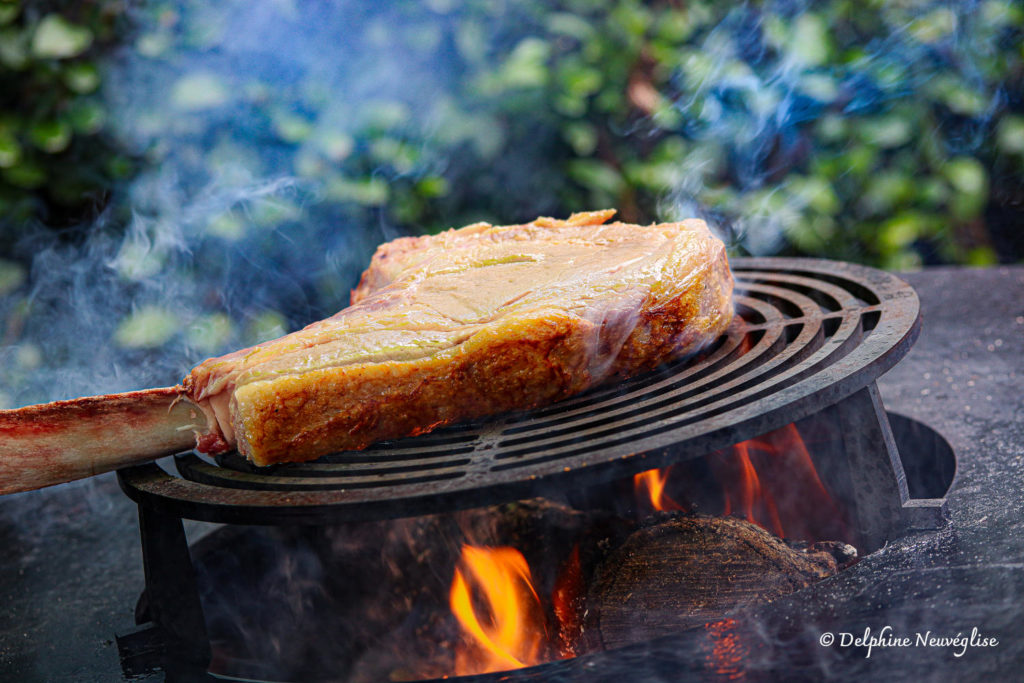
point(691, 570)
point(371, 601)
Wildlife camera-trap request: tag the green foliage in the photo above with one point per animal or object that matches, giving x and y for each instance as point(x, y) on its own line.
point(53, 153)
point(885, 133)
point(889, 94)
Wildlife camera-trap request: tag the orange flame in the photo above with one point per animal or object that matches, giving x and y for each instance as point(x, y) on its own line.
point(757, 473)
point(653, 483)
point(770, 480)
point(788, 440)
point(507, 636)
point(753, 494)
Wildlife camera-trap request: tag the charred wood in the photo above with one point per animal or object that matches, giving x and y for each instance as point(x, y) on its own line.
point(692, 570)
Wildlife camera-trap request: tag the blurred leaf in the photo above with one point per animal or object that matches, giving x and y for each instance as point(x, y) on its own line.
point(815, 193)
point(960, 98)
point(572, 25)
point(901, 260)
point(309, 164)
point(291, 127)
point(471, 41)
point(861, 159)
point(87, 117)
point(697, 66)
point(886, 191)
point(50, 136)
point(368, 191)
point(138, 260)
point(998, 13)
point(441, 6)
point(10, 150)
point(207, 29)
point(901, 230)
point(654, 176)
point(146, 328)
point(887, 131)
point(273, 212)
point(582, 137)
point(153, 44)
point(811, 40)
point(335, 145)
point(25, 174)
point(525, 67)
point(570, 105)
point(198, 91)
point(383, 115)
point(597, 175)
point(579, 79)
point(209, 333)
point(266, 326)
point(675, 26)
point(432, 186)
point(13, 48)
point(401, 156)
point(832, 128)
point(12, 276)
point(819, 86)
point(812, 234)
point(934, 26)
point(1009, 134)
point(967, 175)
point(228, 225)
point(775, 31)
point(120, 167)
point(982, 256)
point(28, 356)
point(424, 38)
point(934, 192)
point(82, 77)
point(633, 18)
point(9, 12)
point(766, 216)
point(57, 38)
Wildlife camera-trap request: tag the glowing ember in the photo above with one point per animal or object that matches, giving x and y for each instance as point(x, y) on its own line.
point(565, 600)
point(653, 483)
point(727, 652)
point(510, 632)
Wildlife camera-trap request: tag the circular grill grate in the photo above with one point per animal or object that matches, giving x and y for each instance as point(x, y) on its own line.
point(808, 333)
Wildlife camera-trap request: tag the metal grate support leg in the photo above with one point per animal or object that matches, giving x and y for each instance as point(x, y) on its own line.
point(170, 603)
point(880, 503)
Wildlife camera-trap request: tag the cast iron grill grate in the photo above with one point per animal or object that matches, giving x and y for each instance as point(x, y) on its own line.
point(808, 334)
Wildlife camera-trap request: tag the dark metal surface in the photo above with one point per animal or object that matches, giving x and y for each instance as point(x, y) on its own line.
point(172, 599)
point(72, 566)
point(879, 502)
point(808, 333)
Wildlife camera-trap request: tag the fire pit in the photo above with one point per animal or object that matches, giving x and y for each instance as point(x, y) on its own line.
point(74, 568)
point(807, 345)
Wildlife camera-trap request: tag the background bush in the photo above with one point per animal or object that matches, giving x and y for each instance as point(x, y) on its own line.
point(177, 178)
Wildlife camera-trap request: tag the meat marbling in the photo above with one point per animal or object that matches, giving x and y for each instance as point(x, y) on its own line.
point(442, 328)
point(467, 323)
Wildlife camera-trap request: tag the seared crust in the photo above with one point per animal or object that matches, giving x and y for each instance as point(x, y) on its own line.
point(514, 359)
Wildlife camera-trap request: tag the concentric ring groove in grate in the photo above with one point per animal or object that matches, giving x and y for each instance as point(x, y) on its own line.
point(806, 331)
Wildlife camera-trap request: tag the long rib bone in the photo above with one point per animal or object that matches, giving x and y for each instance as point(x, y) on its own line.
point(48, 444)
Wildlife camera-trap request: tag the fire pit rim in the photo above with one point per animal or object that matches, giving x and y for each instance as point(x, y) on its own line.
point(891, 302)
